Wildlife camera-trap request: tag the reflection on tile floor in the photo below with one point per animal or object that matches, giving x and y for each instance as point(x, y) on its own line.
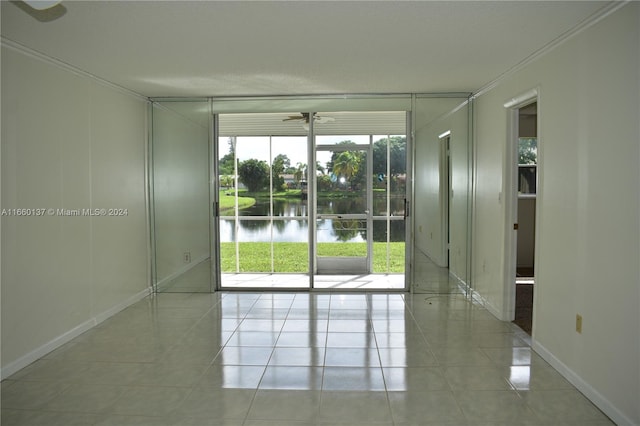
point(296, 359)
point(198, 280)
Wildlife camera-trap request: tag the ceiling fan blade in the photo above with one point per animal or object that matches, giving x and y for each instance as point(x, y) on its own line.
point(42, 4)
point(304, 116)
point(323, 119)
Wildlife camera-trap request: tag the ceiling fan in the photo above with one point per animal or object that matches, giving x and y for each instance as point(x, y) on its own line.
point(42, 10)
point(42, 4)
point(304, 118)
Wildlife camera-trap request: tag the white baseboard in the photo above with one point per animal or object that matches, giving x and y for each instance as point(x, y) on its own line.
point(473, 295)
point(592, 394)
point(36, 354)
point(163, 283)
point(486, 304)
point(464, 287)
point(494, 311)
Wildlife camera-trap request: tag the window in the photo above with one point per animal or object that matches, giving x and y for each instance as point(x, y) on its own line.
point(527, 165)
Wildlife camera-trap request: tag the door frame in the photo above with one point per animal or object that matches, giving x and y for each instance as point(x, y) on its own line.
point(214, 198)
point(510, 191)
point(445, 176)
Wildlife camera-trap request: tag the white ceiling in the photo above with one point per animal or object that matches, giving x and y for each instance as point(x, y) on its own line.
point(229, 48)
point(340, 123)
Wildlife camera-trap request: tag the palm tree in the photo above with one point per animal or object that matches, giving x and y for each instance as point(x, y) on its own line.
point(299, 174)
point(347, 164)
point(226, 181)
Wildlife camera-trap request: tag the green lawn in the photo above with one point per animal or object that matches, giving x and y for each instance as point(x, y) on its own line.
point(228, 203)
point(248, 199)
point(289, 193)
point(293, 257)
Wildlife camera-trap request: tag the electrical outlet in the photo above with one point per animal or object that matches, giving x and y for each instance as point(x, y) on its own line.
point(579, 323)
point(420, 229)
point(187, 257)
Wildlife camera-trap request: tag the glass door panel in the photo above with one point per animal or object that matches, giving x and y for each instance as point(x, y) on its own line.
point(354, 236)
point(290, 224)
point(264, 227)
point(389, 195)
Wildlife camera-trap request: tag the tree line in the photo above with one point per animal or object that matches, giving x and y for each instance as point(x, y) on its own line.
point(346, 169)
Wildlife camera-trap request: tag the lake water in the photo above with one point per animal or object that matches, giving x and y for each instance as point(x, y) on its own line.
point(294, 225)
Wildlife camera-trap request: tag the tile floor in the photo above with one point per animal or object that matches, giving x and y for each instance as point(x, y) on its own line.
point(296, 359)
point(324, 282)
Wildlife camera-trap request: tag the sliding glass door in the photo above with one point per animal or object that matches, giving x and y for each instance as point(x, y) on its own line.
point(361, 200)
point(339, 224)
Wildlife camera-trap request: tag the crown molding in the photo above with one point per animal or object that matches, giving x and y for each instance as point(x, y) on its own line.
point(31, 53)
point(598, 16)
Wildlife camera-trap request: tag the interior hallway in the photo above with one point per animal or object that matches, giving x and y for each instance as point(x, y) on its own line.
point(270, 358)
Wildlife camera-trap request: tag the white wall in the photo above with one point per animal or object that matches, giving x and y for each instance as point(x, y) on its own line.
point(68, 142)
point(180, 186)
point(431, 120)
point(588, 208)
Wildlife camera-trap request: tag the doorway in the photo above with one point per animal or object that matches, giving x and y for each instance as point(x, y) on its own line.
point(527, 178)
point(446, 194)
